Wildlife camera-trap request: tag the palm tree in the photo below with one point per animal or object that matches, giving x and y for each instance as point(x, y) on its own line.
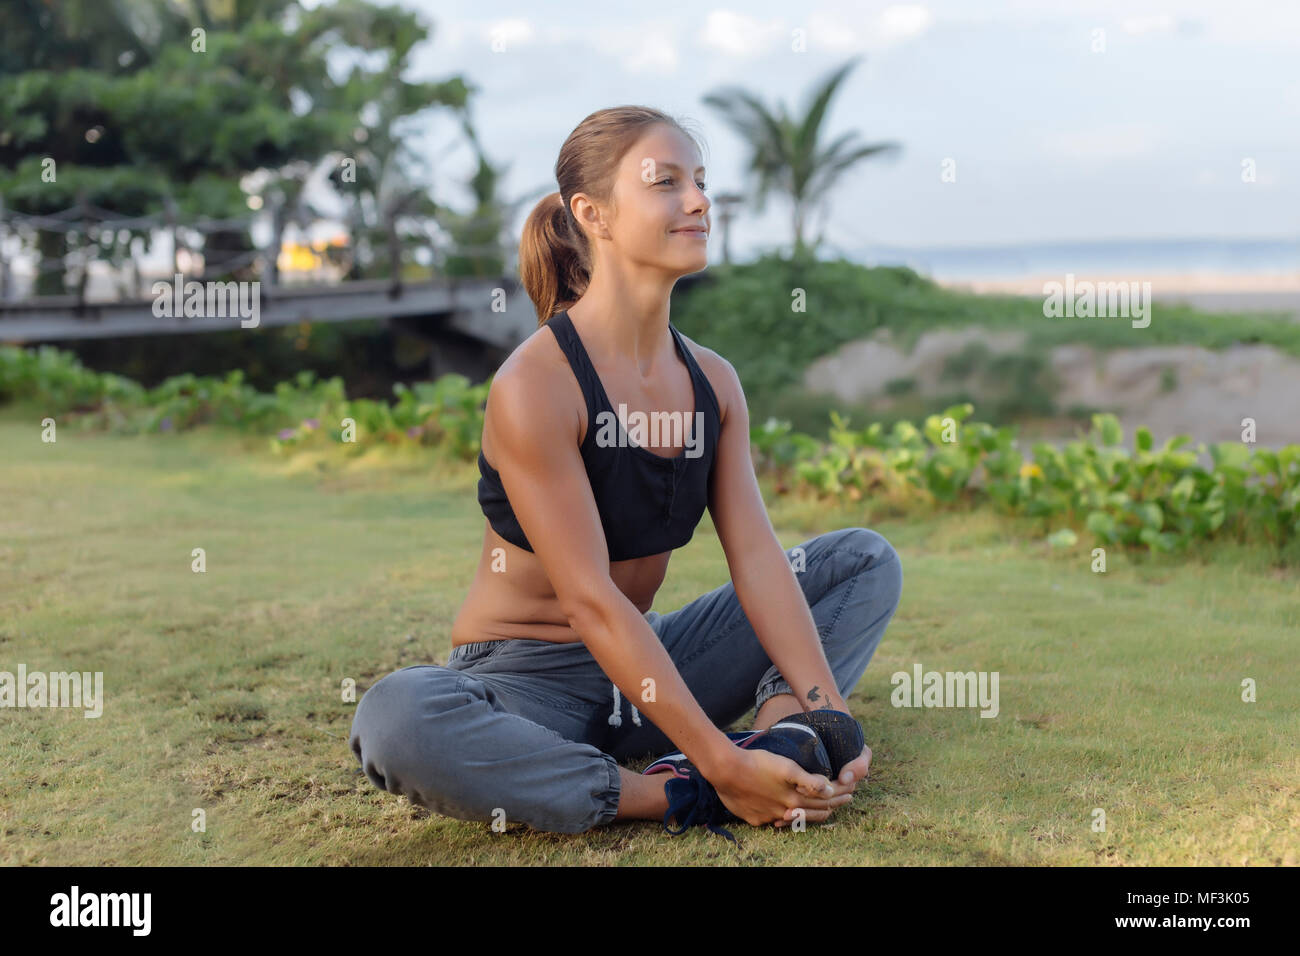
point(480, 241)
point(786, 155)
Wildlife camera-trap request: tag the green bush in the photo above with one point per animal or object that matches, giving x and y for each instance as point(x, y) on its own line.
point(1158, 499)
point(446, 414)
point(973, 358)
point(900, 386)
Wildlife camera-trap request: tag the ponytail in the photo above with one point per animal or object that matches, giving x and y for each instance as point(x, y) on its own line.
point(554, 263)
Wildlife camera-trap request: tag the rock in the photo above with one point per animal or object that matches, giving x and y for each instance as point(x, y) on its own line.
point(1213, 390)
point(861, 369)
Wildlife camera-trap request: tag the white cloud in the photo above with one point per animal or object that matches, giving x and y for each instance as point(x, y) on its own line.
point(1150, 24)
point(1034, 123)
point(653, 51)
point(738, 35)
point(509, 34)
point(905, 20)
point(891, 26)
point(633, 47)
point(831, 31)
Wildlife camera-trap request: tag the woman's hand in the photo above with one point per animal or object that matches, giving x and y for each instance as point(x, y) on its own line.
point(842, 789)
point(762, 787)
point(856, 769)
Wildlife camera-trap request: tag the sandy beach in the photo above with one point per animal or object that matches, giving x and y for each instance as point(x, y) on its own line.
point(1250, 292)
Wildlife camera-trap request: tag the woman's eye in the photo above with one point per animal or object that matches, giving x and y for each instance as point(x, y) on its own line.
point(663, 182)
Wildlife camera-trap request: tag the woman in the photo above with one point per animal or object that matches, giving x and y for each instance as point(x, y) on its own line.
point(526, 722)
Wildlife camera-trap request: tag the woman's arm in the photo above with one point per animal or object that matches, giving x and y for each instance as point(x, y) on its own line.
point(535, 444)
point(765, 583)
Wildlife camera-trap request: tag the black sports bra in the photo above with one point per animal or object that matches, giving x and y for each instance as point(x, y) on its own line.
point(648, 503)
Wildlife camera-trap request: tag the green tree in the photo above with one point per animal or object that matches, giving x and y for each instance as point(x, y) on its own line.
point(478, 237)
point(381, 177)
point(157, 108)
point(788, 155)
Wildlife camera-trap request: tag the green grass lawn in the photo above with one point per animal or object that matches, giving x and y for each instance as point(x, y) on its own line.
point(1119, 691)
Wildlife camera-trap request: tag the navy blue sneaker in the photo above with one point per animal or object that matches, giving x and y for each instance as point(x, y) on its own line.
point(840, 733)
point(694, 801)
point(681, 767)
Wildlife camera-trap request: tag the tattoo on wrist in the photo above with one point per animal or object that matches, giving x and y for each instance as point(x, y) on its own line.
point(814, 697)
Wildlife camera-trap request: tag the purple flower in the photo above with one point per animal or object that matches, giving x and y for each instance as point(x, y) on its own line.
point(165, 425)
point(414, 430)
point(286, 433)
point(312, 423)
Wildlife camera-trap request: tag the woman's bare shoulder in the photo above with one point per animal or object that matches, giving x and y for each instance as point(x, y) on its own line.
point(534, 375)
point(720, 373)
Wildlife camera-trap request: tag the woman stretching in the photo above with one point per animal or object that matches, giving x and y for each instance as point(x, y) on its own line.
point(587, 490)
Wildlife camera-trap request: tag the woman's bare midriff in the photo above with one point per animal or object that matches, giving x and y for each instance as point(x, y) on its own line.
point(520, 601)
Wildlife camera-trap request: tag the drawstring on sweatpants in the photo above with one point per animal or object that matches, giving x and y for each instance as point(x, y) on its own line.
point(616, 717)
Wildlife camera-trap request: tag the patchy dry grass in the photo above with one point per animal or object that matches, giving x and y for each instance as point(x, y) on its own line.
point(1119, 691)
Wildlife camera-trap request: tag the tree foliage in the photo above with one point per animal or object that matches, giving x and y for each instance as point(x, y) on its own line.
point(164, 107)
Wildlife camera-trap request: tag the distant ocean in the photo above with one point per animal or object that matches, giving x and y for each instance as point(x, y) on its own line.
point(1109, 257)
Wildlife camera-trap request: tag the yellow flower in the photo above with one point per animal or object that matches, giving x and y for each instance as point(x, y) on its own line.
point(1030, 469)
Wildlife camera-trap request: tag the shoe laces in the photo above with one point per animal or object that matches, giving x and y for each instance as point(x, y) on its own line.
point(694, 802)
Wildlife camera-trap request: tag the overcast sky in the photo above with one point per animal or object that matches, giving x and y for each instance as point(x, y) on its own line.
point(1051, 140)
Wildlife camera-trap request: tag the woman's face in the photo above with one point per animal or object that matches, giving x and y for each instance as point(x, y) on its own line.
point(657, 193)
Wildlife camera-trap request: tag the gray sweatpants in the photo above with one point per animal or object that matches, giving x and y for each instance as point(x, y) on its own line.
point(532, 731)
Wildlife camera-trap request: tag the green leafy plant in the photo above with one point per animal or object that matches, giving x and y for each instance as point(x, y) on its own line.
point(1159, 499)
